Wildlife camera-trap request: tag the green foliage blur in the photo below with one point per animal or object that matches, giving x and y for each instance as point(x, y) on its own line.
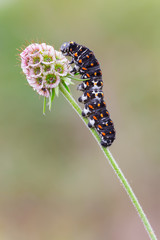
point(54, 181)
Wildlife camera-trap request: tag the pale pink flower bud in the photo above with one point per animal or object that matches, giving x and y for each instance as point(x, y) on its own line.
point(36, 83)
point(60, 68)
point(59, 56)
point(52, 80)
point(44, 92)
point(48, 57)
point(35, 60)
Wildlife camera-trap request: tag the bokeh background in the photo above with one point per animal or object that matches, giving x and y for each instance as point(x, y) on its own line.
point(55, 182)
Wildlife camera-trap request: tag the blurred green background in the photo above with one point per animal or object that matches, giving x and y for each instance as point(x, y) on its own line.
point(54, 181)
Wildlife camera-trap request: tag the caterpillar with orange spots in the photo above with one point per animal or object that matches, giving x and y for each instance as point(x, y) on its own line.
point(93, 98)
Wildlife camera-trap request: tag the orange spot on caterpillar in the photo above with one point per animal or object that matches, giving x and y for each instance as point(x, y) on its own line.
point(94, 117)
point(95, 74)
point(92, 64)
point(106, 124)
point(88, 94)
point(80, 61)
point(90, 106)
point(98, 104)
point(104, 103)
point(101, 115)
point(110, 132)
point(96, 94)
point(103, 134)
point(70, 49)
point(88, 75)
point(75, 54)
point(87, 56)
point(87, 83)
point(95, 83)
point(84, 68)
point(100, 126)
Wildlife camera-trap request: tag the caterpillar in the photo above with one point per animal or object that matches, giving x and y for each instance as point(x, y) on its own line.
point(93, 98)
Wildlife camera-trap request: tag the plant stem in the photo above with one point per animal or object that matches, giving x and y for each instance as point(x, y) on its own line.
point(114, 165)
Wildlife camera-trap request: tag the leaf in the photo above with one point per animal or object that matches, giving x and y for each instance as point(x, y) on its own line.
point(77, 73)
point(53, 94)
point(67, 80)
point(66, 87)
point(51, 98)
point(57, 91)
point(78, 79)
point(44, 105)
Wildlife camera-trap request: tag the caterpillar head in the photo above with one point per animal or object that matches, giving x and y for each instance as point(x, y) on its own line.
point(68, 48)
point(65, 48)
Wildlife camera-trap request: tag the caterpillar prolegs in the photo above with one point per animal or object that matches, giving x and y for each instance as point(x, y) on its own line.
point(93, 98)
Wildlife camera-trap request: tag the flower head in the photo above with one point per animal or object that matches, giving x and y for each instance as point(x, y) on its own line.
point(44, 67)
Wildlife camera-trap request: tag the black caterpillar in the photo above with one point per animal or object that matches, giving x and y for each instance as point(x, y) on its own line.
point(93, 98)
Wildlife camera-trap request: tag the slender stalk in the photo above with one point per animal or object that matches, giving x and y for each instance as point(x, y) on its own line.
point(114, 165)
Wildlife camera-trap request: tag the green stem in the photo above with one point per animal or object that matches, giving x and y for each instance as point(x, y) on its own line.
point(114, 165)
